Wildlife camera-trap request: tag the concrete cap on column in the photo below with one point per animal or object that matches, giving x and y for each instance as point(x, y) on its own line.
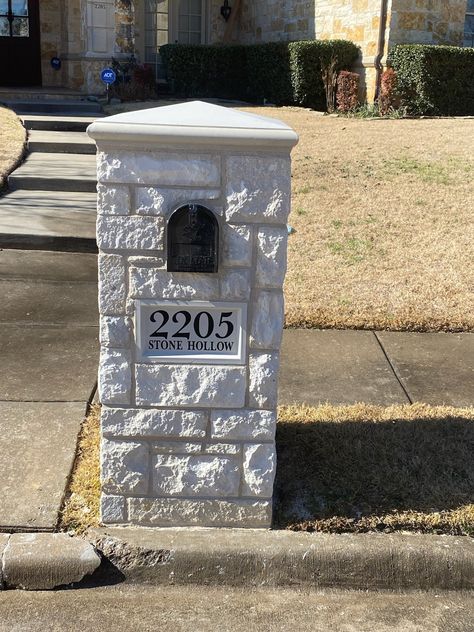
point(194, 123)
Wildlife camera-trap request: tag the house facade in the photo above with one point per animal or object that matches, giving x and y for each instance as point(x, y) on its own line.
point(66, 43)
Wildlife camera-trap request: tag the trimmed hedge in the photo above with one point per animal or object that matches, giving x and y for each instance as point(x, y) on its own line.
point(285, 73)
point(434, 80)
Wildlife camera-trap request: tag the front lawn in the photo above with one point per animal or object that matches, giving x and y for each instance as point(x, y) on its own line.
point(366, 468)
point(12, 142)
point(384, 219)
point(343, 469)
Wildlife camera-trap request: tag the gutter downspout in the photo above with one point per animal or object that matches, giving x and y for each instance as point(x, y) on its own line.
point(380, 46)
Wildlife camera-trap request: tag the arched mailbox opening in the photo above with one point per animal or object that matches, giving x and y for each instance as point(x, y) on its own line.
point(193, 240)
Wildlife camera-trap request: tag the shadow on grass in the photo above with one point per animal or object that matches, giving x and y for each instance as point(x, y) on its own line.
point(347, 475)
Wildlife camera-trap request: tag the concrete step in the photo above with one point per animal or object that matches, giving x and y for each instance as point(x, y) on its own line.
point(46, 220)
point(53, 172)
point(57, 122)
point(41, 94)
point(47, 107)
point(60, 142)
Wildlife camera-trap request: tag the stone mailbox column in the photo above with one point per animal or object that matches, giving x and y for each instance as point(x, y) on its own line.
point(193, 201)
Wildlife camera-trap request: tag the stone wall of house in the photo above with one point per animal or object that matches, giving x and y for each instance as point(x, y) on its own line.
point(51, 34)
point(275, 20)
point(427, 22)
point(358, 21)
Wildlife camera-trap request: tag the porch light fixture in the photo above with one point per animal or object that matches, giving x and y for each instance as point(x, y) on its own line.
point(226, 10)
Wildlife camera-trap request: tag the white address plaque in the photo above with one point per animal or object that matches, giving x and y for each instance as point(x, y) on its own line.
point(191, 331)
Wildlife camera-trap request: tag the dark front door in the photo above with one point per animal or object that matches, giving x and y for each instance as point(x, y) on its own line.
point(20, 60)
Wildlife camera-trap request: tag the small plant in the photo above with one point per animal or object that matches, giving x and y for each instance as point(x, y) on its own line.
point(135, 82)
point(388, 100)
point(347, 91)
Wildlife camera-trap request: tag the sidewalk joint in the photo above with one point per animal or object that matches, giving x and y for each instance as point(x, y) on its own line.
point(394, 370)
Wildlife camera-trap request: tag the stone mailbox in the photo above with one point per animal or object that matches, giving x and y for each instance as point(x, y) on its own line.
point(193, 201)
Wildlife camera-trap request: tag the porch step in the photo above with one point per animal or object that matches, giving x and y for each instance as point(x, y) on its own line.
point(49, 94)
point(54, 172)
point(43, 219)
point(57, 122)
point(41, 106)
point(60, 142)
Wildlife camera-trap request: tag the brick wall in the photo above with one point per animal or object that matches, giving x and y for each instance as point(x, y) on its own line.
point(427, 22)
point(274, 20)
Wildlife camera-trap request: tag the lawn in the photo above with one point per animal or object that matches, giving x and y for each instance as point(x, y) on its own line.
point(12, 142)
point(384, 219)
point(343, 469)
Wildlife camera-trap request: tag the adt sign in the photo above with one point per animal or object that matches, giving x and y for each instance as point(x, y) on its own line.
point(108, 76)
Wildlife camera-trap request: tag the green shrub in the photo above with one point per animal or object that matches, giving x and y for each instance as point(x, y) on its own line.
point(284, 73)
point(268, 75)
point(307, 59)
point(435, 80)
point(205, 71)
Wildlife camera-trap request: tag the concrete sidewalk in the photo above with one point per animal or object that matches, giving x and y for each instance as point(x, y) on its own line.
point(48, 345)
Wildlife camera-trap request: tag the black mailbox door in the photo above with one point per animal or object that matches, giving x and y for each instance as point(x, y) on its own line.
point(193, 240)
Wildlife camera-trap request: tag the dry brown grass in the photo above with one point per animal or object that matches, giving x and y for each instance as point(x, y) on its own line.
point(343, 469)
point(367, 468)
point(12, 142)
point(384, 216)
point(384, 219)
point(81, 507)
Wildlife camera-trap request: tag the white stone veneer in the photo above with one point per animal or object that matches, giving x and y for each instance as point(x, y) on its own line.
point(190, 444)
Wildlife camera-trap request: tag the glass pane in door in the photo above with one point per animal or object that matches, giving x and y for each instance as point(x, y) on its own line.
point(190, 21)
point(156, 33)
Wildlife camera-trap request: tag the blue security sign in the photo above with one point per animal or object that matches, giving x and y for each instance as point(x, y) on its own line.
point(108, 75)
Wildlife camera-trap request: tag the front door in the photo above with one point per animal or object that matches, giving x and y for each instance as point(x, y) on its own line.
point(20, 57)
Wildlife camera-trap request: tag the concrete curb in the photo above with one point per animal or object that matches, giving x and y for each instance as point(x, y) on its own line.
point(41, 561)
point(249, 557)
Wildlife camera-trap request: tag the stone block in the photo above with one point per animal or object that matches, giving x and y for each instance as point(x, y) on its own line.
point(237, 245)
point(243, 424)
point(115, 376)
point(159, 168)
point(197, 386)
point(258, 189)
point(263, 379)
point(112, 284)
point(154, 201)
point(222, 448)
point(258, 469)
point(124, 467)
point(169, 512)
point(271, 257)
point(112, 509)
point(197, 475)
point(267, 320)
point(153, 283)
point(137, 422)
point(130, 233)
point(235, 285)
point(113, 200)
point(115, 331)
point(177, 447)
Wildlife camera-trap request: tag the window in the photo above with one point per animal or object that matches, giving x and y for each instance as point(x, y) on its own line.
point(469, 25)
point(14, 20)
point(156, 33)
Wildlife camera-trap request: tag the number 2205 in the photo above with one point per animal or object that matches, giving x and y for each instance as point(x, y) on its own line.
point(203, 324)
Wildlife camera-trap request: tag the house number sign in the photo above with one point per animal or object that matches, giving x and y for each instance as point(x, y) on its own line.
point(191, 331)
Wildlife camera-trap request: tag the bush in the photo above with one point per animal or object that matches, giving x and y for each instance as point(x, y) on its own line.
point(307, 59)
point(436, 80)
point(280, 72)
point(388, 95)
point(347, 92)
point(134, 81)
point(205, 71)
